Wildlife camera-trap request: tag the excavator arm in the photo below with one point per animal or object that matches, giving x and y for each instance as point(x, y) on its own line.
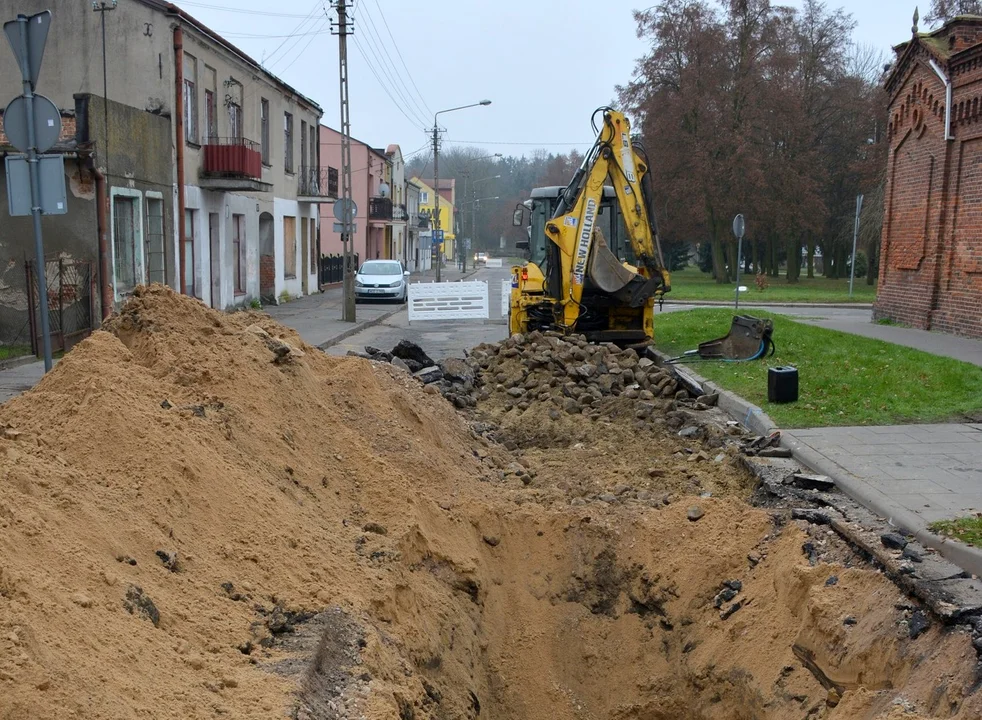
point(583, 249)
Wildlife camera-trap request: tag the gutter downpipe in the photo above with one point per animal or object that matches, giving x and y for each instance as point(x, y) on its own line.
point(106, 293)
point(947, 105)
point(179, 143)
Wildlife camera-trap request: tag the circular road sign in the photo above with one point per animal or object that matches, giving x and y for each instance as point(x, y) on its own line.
point(339, 207)
point(47, 123)
point(738, 227)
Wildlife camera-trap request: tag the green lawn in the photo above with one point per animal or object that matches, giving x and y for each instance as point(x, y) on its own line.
point(843, 379)
point(967, 529)
point(692, 284)
point(13, 351)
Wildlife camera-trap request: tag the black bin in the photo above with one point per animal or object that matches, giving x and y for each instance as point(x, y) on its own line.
point(782, 384)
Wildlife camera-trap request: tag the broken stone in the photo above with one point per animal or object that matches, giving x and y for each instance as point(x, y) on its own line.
point(429, 374)
point(374, 527)
point(401, 364)
point(407, 350)
point(377, 354)
point(731, 609)
point(894, 541)
point(138, 603)
point(832, 580)
point(169, 559)
point(918, 624)
point(516, 392)
point(709, 400)
point(690, 431)
point(491, 540)
point(775, 452)
point(849, 620)
point(695, 513)
point(911, 554)
point(804, 481)
point(816, 517)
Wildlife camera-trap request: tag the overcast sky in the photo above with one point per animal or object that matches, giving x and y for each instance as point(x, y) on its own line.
point(544, 64)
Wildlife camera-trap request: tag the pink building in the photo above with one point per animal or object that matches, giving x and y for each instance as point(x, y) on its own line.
point(370, 189)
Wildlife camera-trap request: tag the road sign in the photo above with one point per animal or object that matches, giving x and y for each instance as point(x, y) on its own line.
point(438, 236)
point(738, 227)
point(51, 168)
point(339, 207)
point(339, 227)
point(47, 123)
point(31, 52)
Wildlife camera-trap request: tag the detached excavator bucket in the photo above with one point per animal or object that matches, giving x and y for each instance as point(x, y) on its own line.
point(747, 339)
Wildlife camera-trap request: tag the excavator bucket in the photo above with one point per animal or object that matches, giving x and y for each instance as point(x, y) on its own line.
point(747, 338)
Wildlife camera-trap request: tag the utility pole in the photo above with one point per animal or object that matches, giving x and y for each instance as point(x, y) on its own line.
point(436, 200)
point(102, 7)
point(855, 237)
point(343, 30)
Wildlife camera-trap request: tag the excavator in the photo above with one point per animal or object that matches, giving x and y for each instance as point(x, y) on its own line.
point(594, 262)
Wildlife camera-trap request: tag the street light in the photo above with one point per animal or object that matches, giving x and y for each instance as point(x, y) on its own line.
point(436, 172)
point(474, 206)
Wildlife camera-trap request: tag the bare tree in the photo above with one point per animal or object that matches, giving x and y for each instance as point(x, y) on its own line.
point(944, 10)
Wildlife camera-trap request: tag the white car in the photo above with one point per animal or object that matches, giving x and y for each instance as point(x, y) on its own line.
point(480, 258)
point(382, 280)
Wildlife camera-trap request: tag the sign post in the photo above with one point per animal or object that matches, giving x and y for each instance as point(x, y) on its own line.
point(855, 237)
point(738, 229)
point(27, 37)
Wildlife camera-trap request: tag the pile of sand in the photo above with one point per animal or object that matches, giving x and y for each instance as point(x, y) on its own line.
point(200, 516)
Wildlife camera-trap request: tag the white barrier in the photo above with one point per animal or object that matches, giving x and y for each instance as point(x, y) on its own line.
point(448, 301)
point(505, 297)
point(493, 262)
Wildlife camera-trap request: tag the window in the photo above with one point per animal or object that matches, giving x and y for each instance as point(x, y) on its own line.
point(288, 142)
point(235, 120)
point(314, 244)
point(124, 244)
point(189, 252)
point(264, 128)
point(156, 261)
point(332, 181)
point(239, 250)
point(290, 247)
point(211, 109)
point(314, 167)
point(190, 98)
point(424, 197)
point(303, 147)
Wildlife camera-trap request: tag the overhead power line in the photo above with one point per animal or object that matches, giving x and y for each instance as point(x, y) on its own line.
point(393, 71)
point(377, 50)
point(395, 102)
point(243, 11)
point(505, 142)
point(399, 53)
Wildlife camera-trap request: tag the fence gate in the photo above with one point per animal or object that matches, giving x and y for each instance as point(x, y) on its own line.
point(448, 301)
point(69, 302)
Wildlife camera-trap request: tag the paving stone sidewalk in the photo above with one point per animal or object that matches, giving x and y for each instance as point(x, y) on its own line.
point(931, 471)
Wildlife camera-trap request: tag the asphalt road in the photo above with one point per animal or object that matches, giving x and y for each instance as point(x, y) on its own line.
point(440, 339)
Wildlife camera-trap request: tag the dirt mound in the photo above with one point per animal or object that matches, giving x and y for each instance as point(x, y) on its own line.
point(202, 516)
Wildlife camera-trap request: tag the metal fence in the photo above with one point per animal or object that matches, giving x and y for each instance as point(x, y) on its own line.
point(332, 268)
point(69, 298)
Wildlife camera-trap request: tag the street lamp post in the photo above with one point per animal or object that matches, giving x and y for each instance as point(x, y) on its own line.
point(474, 206)
point(436, 174)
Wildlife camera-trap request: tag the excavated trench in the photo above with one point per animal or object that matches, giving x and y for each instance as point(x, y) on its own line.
point(200, 516)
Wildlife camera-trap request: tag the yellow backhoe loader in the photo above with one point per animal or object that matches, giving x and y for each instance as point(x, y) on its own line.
point(594, 261)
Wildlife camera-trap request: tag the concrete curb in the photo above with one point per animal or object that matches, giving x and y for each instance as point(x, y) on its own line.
point(358, 327)
point(18, 362)
point(757, 421)
point(823, 306)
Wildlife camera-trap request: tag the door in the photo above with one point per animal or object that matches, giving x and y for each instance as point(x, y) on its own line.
point(304, 257)
point(155, 258)
point(214, 246)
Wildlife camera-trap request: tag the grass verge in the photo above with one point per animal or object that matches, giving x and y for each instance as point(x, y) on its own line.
point(967, 529)
point(692, 284)
point(843, 379)
point(8, 352)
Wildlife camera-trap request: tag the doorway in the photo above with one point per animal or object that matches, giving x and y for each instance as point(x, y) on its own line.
point(304, 257)
point(267, 258)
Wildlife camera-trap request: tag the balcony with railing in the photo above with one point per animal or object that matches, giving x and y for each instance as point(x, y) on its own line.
point(399, 213)
point(317, 184)
point(232, 164)
point(380, 209)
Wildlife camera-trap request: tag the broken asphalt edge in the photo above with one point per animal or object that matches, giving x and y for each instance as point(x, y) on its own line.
point(966, 557)
point(357, 327)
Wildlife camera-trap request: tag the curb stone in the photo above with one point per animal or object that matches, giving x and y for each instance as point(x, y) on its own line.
point(18, 362)
point(725, 304)
point(757, 421)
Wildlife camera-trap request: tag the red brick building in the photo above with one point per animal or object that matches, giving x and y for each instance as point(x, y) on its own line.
point(931, 253)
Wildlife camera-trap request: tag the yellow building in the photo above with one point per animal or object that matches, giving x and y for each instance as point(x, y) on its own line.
point(427, 203)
